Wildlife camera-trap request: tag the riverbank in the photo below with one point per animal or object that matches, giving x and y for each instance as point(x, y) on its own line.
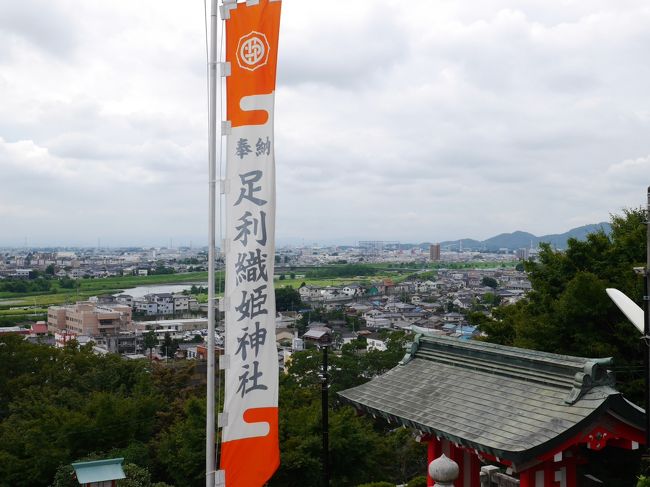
point(85, 288)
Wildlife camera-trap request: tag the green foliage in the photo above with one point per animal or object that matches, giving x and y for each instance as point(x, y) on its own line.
point(68, 283)
point(377, 484)
point(161, 269)
point(490, 282)
point(344, 270)
point(569, 312)
point(491, 299)
point(25, 285)
point(169, 346)
point(420, 481)
point(61, 405)
point(135, 476)
point(287, 298)
point(150, 341)
point(181, 449)
point(424, 276)
point(358, 446)
point(65, 477)
point(643, 481)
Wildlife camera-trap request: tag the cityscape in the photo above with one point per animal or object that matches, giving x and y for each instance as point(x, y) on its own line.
point(258, 243)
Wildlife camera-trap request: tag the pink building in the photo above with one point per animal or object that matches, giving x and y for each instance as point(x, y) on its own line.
point(86, 318)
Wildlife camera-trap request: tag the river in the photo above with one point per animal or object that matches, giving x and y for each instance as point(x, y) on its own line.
point(141, 291)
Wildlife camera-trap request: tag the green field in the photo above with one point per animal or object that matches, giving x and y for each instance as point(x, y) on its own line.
point(92, 287)
point(39, 301)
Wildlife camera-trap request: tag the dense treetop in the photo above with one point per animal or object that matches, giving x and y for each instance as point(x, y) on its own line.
point(568, 310)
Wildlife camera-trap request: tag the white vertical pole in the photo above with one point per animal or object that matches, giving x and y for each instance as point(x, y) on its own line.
point(646, 325)
point(210, 458)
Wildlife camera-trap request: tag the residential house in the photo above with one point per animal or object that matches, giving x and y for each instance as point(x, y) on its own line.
point(320, 335)
point(353, 290)
point(181, 303)
point(375, 342)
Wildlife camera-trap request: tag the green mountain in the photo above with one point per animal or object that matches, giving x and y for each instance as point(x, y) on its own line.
point(517, 240)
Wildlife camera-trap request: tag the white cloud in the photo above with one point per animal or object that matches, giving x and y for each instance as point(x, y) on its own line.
point(403, 121)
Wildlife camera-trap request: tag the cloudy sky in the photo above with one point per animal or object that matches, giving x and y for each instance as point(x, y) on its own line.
point(411, 121)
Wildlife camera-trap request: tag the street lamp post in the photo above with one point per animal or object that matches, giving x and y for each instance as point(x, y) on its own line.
point(646, 339)
point(325, 417)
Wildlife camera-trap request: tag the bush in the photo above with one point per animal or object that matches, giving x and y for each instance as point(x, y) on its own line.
point(420, 481)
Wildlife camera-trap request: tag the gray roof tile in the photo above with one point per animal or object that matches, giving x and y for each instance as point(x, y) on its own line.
point(502, 400)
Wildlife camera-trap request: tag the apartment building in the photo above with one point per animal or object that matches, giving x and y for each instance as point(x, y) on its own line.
point(86, 318)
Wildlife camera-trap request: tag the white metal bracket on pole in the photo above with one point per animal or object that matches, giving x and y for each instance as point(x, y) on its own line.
point(225, 9)
point(222, 419)
point(225, 69)
point(220, 478)
point(224, 362)
point(251, 3)
point(226, 127)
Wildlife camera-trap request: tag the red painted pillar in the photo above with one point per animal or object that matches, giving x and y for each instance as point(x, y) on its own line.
point(549, 473)
point(433, 452)
point(475, 470)
point(527, 478)
point(571, 475)
point(458, 456)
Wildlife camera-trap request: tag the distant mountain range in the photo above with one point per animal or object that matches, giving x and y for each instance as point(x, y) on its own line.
point(517, 240)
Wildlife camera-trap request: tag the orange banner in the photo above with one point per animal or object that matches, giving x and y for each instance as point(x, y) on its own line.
point(252, 50)
point(250, 452)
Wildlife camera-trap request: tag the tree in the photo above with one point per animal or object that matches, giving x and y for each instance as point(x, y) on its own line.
point(50, 270)
point(136, 476)
point(169, 346)
point(150, 341)
point(65, 477)
point(287, 298)
point(489, 282)
point(181, 449)
point(568, 311)
point(67, 283)
point(491, 299)
point(72, 401)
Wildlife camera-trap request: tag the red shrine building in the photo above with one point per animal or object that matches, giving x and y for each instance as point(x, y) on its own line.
point(531, 413)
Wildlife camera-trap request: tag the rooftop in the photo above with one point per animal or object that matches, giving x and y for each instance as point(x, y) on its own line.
point(509, 402)
point(99, 470)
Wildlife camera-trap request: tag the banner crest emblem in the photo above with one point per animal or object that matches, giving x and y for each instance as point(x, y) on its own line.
point(252, 51)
